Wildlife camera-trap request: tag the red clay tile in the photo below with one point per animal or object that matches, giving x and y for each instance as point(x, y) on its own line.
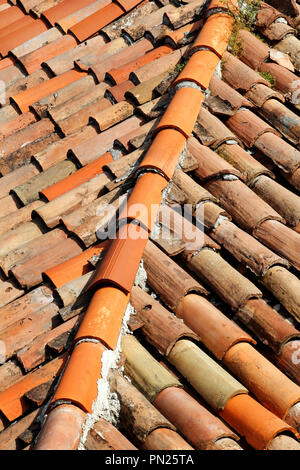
point(270, 327)
point(84, 194)
point(27, 305)
point(17, 25)
point(118, 59)
point(146, 20)
point(12, 402)
point(16, 177)
point(24, 99)
point(89, 95)
point(165, 439)
point(288, 360)
point(104, 436)
point(267, 15)
point(278, 31)
point(29, 192)
point(180, 117)
point(215, 34)
point(93, 57)
point(249, 167)
point(198, 426)
point(210, 165)
point(69, 93)
point(198, 314)
point(253, 51)
point(118, 75)
point(29, 274)
point(33, 60)
point(62, 429)
point(167, 278)
point(74, 122)
point(294, 180)
point(117, 92)
point(76, 17)
point(157, 68)
point(111, 115)
point(141, 418)
point(26, 32)
point(10, 76)
point(23, 332)
point(211, 131)
point(159, 326)
point(126, 142)
point(239, 75)
point(284, 120)
point(8, 62)
point(286, 81)
point(250, 419)
point(284, 155)
point(128, 4)
point(185, 14)
point(25, 137)
point(271, 387)
point(35, 43)
point(43, 6)
point(145, 199)
point(191, 236)
point(9, 439)
point(36, 353)
point(229, 191)
point(78, 384)
point(24, 83)
point(230, 5)
point(31, 249)
point(246, 249)
point(283, 285)
point(199, 69)
point(85, 213)
point(17, 218)
point(280, 238)
point(104, 316)
point(91, 25)
point(10, 16)
point(9, 292)
point(10, 161)
point(249, 127)
point(64, 9)
point(172, 143)
point(64, 62)
point(220, 89)
point(129, 238)
point(281, 199)
point(75, 267)
point(77, 178)
point(16, 124)
point(180, 35)
point(57, 151)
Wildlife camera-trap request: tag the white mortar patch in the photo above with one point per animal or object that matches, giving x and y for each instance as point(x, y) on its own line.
point(107, 405)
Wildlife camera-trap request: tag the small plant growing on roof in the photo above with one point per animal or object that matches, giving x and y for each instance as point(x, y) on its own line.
point(245, 18)
point(269, 77)
point(179, 67)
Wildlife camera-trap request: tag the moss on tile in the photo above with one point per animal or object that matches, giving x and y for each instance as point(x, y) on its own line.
point(269, 77)
point(179, 67)
point(245, 19)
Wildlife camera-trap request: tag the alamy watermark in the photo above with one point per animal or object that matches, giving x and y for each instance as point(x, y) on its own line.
point(177, 223)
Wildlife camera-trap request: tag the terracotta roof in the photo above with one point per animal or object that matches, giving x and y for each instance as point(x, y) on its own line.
point(117, 116)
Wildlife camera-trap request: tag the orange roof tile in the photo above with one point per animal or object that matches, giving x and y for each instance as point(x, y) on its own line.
point(77, 178)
